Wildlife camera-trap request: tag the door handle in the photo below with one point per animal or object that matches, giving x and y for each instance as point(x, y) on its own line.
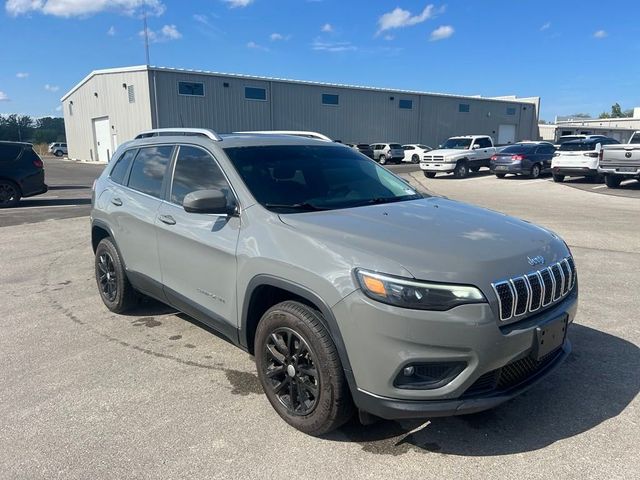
point(168, 219)
point(117, 202)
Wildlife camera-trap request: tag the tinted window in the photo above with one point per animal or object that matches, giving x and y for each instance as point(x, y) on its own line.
point(576, 146)
point(8, 152)
point(635, 138)
point(330, 99)
point(300, 178)
point(252, 93)
point(365, 146)
point(518, 149)
point(463, 108)
point(395, 146)
point(407, 104)
point(121, 167)
point(546, 150)
point(408, 147)
point(191, 88)
point(149, 168)
point(457, 143)
point(483, 142)
point(195, 170)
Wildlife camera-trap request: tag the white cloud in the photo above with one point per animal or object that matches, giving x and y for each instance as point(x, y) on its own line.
point(274, 37)
point(238, 3)
point(51, 88)
point(4, 97)
point(22, 75)
point(321, 46)
point(440, 33)
point(546, 26)
point(59, 108)
point(75, 8)
point(256, 46)
point(399, 18)
point(200, 18)
point(326, 28)
point(112, 31)
point(165, 34)
point(600, 34)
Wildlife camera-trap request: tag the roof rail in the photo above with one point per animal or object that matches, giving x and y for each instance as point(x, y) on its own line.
point(295, 133)
point(160, 132)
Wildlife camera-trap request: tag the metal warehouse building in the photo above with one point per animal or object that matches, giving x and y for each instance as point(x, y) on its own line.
point(111, 106)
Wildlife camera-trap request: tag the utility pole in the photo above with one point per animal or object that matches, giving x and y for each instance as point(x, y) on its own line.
point(146, 38)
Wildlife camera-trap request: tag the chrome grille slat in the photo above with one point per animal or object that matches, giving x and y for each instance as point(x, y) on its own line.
point(529, 293)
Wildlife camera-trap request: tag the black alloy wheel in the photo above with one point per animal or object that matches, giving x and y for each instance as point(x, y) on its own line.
point(290, 367)
point(107, 276)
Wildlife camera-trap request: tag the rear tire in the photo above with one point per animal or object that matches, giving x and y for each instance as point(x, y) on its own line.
point(501, 175)
point(430, 174)
point(115, 290)
point(461, 170)
point(382, 159)
point(613, 181)
point(9, 194)
point(535, 171)
point(296, 359)
point(415, 158)
point(58, 153)
point(558, 178)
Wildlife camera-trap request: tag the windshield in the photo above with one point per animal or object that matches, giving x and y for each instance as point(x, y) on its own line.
point(457, 143)
point(294, 178)
point(577, 147)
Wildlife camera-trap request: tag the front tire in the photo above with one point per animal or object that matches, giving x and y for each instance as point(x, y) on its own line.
point(501, 175)
point(461, 170)
point(300, 370)
point(430, 174)
point(558, 178)
point(612, 181)
point(58, 153)
point(9, 194)
point(115, 290)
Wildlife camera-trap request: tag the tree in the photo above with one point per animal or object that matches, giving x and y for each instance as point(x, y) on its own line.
point(616, 112)
point(23, 128)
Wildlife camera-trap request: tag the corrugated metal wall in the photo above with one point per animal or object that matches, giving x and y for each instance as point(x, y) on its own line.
point(112, 100)
point(365, 116)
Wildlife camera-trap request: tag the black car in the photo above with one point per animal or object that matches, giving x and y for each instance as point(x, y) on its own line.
point(21, 173)
point(532, 159)
point(363, 148)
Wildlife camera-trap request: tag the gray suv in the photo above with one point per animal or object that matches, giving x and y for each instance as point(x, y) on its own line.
point(305, 254)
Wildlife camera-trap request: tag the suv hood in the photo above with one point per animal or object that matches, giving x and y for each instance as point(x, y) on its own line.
point(447, 152)
point(433, 239)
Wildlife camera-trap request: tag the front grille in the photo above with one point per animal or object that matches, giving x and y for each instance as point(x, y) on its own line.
point(511, 375)
point(433, 158)
point(521, 295)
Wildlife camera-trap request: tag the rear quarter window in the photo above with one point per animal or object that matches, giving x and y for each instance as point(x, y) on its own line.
point(121, 166)
point(8, 152)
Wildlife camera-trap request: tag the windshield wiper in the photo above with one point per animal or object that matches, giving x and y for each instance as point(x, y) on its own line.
point(380, 200)
point(309, 207)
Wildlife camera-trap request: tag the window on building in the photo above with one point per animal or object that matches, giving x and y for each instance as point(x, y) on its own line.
point(148, 169)
point(405, 104)
point(330, 99)
point(463, 108)
point(194, 89)
point(255, 93)
point(120, 169)
point(511, 110)
point(131, 93)
point(195, 170)
point(70, 109)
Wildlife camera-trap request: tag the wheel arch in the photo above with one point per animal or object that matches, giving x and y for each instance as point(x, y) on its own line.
point(264, 291)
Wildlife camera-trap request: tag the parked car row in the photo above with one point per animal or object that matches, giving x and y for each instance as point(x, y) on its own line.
point(391, 152)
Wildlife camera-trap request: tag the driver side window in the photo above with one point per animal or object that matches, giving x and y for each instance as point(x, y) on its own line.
point(195, 170)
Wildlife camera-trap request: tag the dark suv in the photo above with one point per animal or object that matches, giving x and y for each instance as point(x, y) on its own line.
point(21, 173)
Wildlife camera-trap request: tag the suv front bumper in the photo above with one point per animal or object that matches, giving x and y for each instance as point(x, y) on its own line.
point(437, 166)
point(381, 340)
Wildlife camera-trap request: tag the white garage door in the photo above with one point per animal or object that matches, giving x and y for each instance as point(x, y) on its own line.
point(102, 139)
point(506, 134)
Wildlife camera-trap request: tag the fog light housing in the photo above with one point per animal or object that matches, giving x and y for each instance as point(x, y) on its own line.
point(428, 376)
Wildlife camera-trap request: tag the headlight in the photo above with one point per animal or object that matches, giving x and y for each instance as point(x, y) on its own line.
point(408, 293)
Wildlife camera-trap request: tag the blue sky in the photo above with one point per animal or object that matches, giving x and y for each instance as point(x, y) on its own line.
point(579, 56)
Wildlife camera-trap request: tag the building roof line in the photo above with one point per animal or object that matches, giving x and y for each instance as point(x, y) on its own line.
point(504, 99)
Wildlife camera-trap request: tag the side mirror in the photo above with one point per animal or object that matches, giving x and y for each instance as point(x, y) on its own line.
point(208, 201)
point(475, 146)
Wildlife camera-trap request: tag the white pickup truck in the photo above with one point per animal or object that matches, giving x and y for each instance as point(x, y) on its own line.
point(621, 161)
point(459, 155)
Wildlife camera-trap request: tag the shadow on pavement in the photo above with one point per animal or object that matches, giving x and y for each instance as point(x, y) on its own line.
point(596, 383)
point(52, 202)
point(69, 187)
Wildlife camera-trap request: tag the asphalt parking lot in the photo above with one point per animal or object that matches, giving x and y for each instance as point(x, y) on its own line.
point(88, 394)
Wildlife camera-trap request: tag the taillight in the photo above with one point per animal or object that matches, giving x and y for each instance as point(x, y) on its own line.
point(494, 158)
point(600, 155)
point(38, 163)
point(591, 154)
point(517, 158)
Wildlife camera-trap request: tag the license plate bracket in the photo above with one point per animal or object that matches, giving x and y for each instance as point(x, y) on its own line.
point(627, 169)
point(550, 337)
point(501, 167)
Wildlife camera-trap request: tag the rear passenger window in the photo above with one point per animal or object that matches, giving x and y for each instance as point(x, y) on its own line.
point(148, 170)
point(8, 152)
point(195, 170)
point(121, 167)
